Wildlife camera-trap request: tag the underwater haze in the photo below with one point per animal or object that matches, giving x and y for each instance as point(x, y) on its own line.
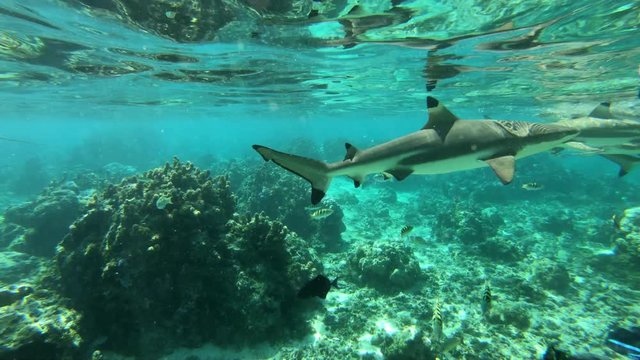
point(273, 179)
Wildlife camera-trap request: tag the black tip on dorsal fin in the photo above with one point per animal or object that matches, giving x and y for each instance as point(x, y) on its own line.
point(440, 118)
point(351, 151)
point(355, 10)
point(602, 111)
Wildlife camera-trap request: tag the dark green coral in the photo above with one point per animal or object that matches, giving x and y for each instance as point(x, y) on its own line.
point(148, 278)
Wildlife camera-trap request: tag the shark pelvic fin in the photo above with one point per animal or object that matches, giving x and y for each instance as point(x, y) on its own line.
point(504, 167)
point(351, 151)
point(440, 118)
point(357, 180)
point(314, 171)
point(400, 174)
point(602, 111)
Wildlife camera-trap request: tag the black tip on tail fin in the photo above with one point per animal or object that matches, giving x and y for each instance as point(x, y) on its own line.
point(260, 149)
point(334, 283)
point(316, 195)
point(432, 102)
point(622, 172)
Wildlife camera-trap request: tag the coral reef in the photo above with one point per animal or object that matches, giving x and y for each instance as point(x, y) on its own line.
point(45, 221)
point(386, 267)
point(464, 223)
point(552, 275)
point(285, 197)
point(628, 244)
point(478, 231)
point(150, 278)
point(37, 325)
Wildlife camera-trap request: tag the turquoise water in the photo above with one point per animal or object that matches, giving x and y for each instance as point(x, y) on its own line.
point(124, 257)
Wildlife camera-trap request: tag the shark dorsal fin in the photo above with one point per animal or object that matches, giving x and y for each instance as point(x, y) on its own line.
point(504, 167)
point(440, 118)
point(602, 111)
point(351, 151)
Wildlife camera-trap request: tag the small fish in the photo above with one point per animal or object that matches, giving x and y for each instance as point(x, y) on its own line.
point(381, 177)
point(486, 301)
point(616, 221)
point(318, 287)
point(450, 344)
point(321, 213)
point(436, 323)
point(406, 230)
point(418, 240)
point(532, 186)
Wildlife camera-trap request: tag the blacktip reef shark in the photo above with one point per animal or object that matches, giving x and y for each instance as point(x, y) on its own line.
point(617, 140)
point(445, 144)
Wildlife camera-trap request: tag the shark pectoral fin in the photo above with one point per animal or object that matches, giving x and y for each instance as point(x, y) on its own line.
point(351, 151)
point(386, 175)
point(400, 173)
point(626, 162)
point(440, 118)
point(576, 145)
point(504, 167)
point(602, 111)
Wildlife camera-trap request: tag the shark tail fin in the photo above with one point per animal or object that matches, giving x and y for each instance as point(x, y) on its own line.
point(314, 171)
point(626, 162)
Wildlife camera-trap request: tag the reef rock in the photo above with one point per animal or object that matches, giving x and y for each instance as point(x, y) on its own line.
point(386, 267)
point(285, 197)
point(466, 224)
point(45, 220)
point(628, 242)
point(149, 277)
point(552, 276)
point(37, 325)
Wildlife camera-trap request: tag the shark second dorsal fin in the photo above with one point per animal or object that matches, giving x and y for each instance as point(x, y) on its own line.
point(351, 151)
point(602, 111)
point(440, 118)
point(504, 167)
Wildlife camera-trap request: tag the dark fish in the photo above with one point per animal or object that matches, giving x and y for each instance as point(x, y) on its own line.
point(486, 301)
point(406, 230)
point(318, 287)
point(625, 341)
point(532, 186)
point(554, 354)
point(418, 240)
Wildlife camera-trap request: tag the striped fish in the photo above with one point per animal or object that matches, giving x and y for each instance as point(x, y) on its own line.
point(436, 323)
point(486, 301)
point(321, 213)
point(405, 230)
